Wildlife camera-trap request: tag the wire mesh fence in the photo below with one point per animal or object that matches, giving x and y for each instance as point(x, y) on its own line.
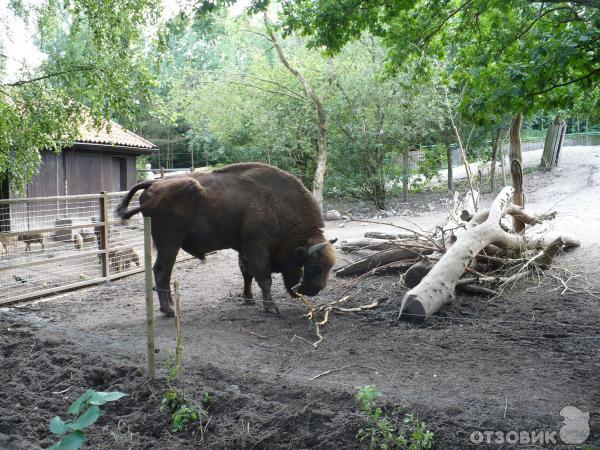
point(483, 150)
point(52, 244)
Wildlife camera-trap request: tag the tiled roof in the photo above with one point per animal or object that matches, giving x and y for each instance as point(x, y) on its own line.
point(111, 134)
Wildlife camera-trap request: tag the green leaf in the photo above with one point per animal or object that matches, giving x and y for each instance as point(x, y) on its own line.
point(100, 398)
point(71, 441)
point(87, 418)
point(78, 405)
point(57, 426)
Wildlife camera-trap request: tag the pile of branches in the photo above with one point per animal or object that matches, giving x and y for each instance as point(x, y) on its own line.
point(479, 252)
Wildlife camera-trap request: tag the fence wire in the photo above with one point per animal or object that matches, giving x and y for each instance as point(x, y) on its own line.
point(51, 244)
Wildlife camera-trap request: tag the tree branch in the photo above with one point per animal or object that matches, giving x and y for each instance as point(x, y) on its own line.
point(436, 30)
point(266, 80)
point(239, 83)
point(50, 75)
point(590, 3)
point(556, 86)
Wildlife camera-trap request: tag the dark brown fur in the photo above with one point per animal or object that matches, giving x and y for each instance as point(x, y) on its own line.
point(264, 213)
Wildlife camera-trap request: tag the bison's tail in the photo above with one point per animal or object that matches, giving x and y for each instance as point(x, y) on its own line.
point(122, 210)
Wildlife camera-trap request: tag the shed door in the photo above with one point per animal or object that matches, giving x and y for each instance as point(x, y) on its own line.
point(119, 174)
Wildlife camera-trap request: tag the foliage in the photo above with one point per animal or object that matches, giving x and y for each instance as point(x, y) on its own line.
point(392, 76)
point(85, 411)
point(382, 433)
point(514, 56)
point(434, 158)
point(375, 119)
point(96, 66)
point(241, 104)
point(186, 413)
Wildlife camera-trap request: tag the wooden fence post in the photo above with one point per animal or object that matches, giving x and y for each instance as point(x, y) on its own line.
point(103, 243)
point(149, 296)
point(178, 336)
point(553, 144)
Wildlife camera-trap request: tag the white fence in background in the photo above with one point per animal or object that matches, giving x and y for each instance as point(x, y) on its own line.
point(53, 244)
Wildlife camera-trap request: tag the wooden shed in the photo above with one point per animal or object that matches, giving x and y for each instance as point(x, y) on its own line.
point(100, 160)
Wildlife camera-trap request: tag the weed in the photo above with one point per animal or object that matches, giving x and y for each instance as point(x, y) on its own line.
point(187, 414)
point(382, 432)
point(85, 411)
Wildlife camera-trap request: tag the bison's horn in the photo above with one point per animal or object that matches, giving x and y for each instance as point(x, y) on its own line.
point(315, 248)
point(332, 241)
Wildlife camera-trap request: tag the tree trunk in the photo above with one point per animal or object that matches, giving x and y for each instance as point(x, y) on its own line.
point(495, 146)
point(321, 117)
point(449, 158)
point(516, 166)
point(319, 179)
point(405, 173)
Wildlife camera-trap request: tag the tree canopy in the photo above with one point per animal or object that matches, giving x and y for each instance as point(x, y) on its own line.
point(96, 59)
point(397, 82)
point(515, 55)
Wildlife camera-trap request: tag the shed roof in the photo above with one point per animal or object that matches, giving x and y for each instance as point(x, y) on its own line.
point(111, 133)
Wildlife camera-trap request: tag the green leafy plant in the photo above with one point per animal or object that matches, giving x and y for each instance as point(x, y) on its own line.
point(185, 411)
point(420, 436)
point(85, 411)
point(382, 432)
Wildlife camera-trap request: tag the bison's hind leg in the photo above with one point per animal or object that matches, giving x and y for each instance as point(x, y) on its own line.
point(163, 267)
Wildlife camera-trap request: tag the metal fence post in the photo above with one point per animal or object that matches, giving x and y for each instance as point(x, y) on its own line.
point(103, 243)
point(149, 296)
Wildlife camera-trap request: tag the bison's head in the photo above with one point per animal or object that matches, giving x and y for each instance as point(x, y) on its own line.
point(317, 260)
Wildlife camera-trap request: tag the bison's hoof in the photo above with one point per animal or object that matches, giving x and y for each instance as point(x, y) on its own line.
point(168, 313)
point(271, 307)
point(249, 301)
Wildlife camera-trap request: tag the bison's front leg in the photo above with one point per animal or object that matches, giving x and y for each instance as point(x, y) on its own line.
point(258, 266)
point(247, 294)
point(265, 286)
point(163, 267)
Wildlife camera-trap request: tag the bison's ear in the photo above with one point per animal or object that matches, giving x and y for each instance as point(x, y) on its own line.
point(301, 254)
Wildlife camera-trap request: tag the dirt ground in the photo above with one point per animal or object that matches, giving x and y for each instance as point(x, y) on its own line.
point(506, 364)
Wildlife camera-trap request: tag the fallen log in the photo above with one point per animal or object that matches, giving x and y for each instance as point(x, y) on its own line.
point(417, 271)
point(369, 244)
point(513, 210)
point(388, 236)
point(385, 257)
point(476, 289)
point(438, 286)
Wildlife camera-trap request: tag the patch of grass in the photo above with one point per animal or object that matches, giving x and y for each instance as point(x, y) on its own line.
point(382, 433)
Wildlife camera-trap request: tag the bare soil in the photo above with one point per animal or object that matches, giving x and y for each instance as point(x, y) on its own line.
point(502, 364)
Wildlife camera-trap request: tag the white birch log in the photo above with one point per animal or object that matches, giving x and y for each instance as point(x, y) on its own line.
point(438, 286)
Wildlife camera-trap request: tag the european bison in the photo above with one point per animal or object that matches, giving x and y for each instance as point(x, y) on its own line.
point(264, 213)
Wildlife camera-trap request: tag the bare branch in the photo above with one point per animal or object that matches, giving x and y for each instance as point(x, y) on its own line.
point(239, 83)
point(50, 75)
